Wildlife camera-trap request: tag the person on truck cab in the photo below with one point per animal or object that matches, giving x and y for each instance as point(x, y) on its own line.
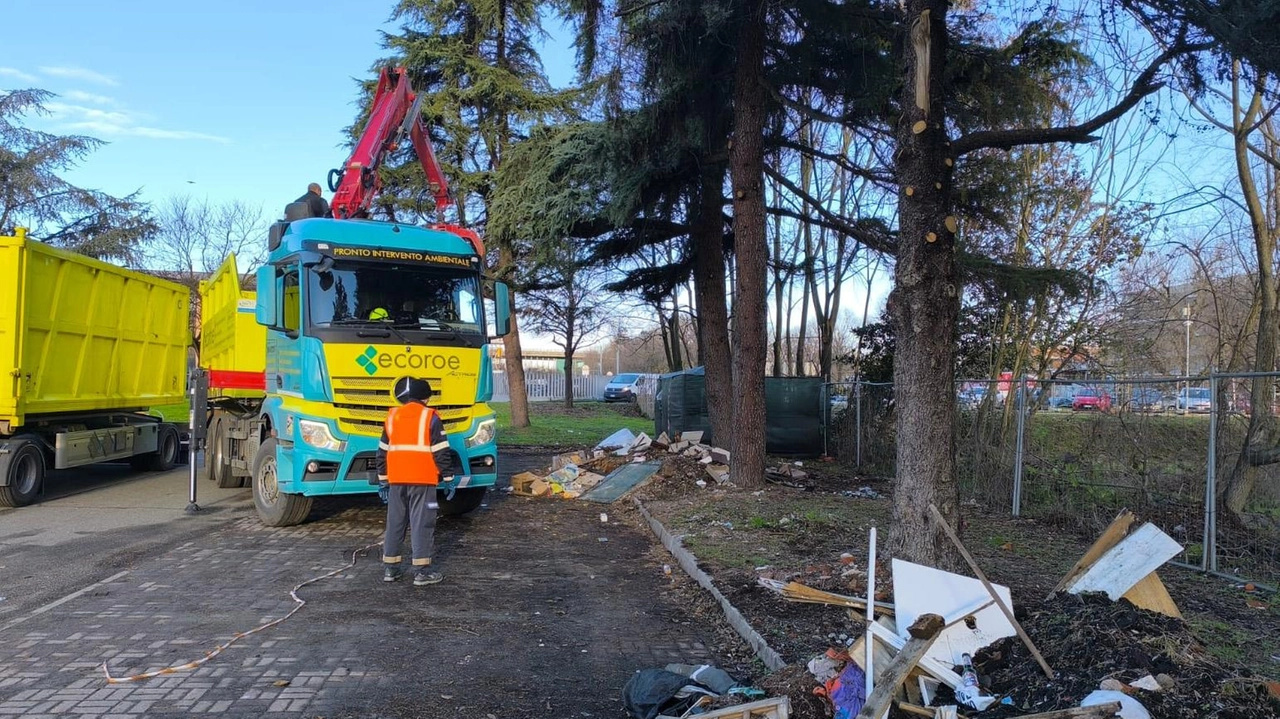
point(412, 457)
point(315, 201)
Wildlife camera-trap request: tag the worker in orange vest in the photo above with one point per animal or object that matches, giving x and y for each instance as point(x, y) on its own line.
point(412, 457)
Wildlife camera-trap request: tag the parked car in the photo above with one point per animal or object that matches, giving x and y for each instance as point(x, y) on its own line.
point(1146, 400)
point(1090, 399)
point(623, 388)
point(1062, 396)
point(971, 397)
point(1194, 399)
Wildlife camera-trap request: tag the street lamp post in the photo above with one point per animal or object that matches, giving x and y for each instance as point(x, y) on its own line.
point(1186, 320)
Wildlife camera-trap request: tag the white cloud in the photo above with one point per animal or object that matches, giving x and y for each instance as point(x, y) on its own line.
point(88, 97)
point(118, 123)
point(78, 73)
point(17, 74)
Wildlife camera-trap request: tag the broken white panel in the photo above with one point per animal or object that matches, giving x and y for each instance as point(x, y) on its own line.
point(693, 437)
point(1127, 563)
point(622, 438)
point(919, 590)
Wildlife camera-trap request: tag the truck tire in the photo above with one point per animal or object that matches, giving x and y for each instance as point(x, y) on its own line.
point(464, 500)
point(165, 458)
point(275, 508)
point(24, 467)
point(218, 458)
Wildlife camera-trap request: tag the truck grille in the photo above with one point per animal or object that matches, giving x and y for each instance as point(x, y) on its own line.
point(362, 404)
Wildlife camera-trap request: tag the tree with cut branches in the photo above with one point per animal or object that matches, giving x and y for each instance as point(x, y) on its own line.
point(477, 66)
point(33, 194)
point(568, 301)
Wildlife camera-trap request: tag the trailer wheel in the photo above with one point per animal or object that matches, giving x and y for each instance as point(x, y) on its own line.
point(464, 500)
point(275, 508)
point(165, 458)
point(216, 456)
point(23, 468)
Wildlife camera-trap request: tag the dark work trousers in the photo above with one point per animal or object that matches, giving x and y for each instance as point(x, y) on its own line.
point(414, 506)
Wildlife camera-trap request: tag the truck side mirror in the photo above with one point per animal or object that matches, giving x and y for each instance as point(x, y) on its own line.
point(266, 312)
point(502, 309)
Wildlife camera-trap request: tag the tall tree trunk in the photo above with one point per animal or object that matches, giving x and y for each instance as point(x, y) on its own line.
point(568, 380)
point(925, 301)
point(1261, 430)
point(778, 320)
point(677, 345)
point(713, 312)
point(513, 355)
point(808, 281)
point(751, 250)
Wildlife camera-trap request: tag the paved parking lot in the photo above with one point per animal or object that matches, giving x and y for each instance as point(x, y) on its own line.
point(545, 612)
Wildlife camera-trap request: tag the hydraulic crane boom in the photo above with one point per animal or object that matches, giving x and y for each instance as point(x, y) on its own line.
point(395, 114)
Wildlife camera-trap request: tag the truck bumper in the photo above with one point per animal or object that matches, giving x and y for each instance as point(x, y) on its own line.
point(315, 472)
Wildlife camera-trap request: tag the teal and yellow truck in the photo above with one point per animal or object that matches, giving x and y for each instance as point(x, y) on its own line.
point(87, 351)
point(300, 370)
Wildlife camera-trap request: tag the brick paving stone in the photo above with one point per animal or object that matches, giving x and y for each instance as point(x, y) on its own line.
point(508, 612)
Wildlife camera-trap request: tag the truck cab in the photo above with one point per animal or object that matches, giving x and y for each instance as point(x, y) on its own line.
point(348, 307)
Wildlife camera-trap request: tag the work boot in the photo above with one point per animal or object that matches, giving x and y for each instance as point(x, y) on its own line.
point(425, 576)
point(392, 572)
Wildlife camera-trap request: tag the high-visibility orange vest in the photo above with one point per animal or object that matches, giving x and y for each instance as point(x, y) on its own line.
point(409, 448)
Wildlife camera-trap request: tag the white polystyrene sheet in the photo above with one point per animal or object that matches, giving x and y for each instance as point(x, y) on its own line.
point(918, 590)
point(622, 438)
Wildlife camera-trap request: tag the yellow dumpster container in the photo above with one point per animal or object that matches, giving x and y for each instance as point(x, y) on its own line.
point(78, 335)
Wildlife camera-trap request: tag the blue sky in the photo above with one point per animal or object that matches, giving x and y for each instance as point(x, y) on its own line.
point(228, 100)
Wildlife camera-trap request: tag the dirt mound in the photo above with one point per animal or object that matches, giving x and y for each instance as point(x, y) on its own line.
point(1089, 638)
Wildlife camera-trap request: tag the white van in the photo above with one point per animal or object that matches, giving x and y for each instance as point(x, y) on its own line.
point(623, 388)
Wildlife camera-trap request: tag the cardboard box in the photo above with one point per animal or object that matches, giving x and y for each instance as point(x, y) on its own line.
point(528, 484)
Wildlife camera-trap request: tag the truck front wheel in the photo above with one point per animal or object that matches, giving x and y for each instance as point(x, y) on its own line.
point(275, 508)
point(464, 500)
point(23, 468)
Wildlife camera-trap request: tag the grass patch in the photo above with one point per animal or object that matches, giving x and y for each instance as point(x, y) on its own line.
point(176, 413)
point(551, 425)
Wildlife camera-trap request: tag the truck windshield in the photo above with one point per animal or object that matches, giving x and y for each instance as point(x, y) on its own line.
point(402, 298)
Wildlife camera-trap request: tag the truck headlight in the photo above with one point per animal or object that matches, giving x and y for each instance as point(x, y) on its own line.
point(317, 435)
point(484, 434)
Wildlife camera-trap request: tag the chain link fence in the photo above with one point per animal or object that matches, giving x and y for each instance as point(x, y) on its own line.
point(1074, 452)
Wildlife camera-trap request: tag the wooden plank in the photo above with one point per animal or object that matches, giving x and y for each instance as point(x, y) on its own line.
point(1008, 612)
point(1110, 537)
point(932, 666)
point(1127, 563)
point(1151, 594)
point(1100, 711)
point(923, 632)
point(773, 708)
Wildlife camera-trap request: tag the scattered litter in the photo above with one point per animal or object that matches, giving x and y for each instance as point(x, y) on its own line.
point(681, 690)
point(622, 482)
point(604, 518)
point(862, 493)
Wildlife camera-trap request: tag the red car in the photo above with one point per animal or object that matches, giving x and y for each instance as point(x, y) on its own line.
point(1091, 399)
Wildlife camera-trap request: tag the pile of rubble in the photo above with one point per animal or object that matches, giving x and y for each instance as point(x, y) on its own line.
point(948, 645)
point(575, 474)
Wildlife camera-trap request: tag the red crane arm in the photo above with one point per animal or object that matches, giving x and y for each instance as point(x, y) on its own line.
point(395, 114)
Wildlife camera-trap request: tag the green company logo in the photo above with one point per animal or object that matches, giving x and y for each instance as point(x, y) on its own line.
point(365, 360)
